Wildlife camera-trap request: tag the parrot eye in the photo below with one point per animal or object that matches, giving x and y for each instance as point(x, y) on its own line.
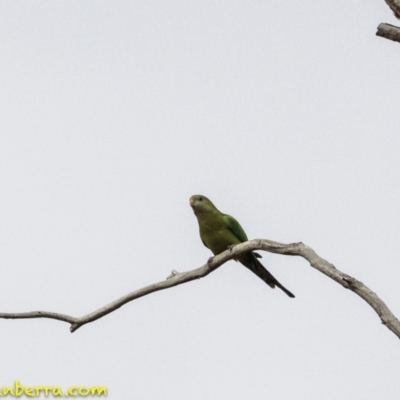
point(200, 198)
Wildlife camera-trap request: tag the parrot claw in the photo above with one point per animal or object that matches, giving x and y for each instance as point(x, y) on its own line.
point(230, 247)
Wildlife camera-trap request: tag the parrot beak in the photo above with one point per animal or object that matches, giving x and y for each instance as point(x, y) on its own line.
point(191, 202)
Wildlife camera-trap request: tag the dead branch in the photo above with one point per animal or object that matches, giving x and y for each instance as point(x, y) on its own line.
point(178, 278)
point(388, 31)
point(394, 5)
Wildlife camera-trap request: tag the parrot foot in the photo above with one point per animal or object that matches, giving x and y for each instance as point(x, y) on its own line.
point(230, 247)
point(209, 262)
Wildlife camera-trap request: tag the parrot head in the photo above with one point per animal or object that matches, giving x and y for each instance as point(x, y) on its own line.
point(200, 204)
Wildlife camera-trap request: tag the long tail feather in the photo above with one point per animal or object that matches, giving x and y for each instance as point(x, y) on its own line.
point(250, 261)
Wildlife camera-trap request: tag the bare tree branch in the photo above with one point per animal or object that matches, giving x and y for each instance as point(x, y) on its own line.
point(388, 31)
point(394, 5)
point(178, 278)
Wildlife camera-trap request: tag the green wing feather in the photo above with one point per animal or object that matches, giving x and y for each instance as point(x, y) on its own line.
point(235, 227)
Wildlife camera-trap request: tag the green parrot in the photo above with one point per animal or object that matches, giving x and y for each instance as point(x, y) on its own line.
point(219, 231)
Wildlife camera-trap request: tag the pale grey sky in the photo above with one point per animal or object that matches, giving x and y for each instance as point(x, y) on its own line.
point(285, 114)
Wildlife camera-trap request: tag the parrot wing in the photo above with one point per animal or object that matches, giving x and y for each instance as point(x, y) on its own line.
point(235, 227)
